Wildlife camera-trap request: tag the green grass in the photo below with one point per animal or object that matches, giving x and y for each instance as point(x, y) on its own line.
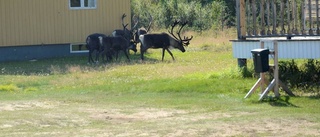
point(199, 94)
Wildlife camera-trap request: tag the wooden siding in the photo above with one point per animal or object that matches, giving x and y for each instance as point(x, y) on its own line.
point(277, 18)
point(295, 24)
point(34, 22)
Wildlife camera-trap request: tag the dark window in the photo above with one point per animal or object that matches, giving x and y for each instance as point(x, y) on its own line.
point(75, 3)
point(78, 48)
point(82, 4)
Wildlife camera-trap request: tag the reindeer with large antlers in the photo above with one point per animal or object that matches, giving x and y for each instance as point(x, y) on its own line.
point(164, 41)
point(126, 33)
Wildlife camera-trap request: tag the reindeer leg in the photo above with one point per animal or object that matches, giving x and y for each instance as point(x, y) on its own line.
point(117, 55)
point(163, 50)
point(142, 50)
point(97, 56)
point(126, 53)
point(90, 59)
point(102, 55)
point(170, 53)
point(109, 55)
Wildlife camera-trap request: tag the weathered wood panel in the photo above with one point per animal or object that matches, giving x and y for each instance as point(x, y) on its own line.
point(288, 18)
point(33, 22)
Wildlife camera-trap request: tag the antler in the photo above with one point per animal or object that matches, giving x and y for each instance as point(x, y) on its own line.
point(150, 22)
point(136, 20)
point(123, 16)
point(186, 40)
point(182, 25)
point(175, 23)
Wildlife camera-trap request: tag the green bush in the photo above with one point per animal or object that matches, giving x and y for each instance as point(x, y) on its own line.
point(304, 77)
point(9, 87)
point(202, 15)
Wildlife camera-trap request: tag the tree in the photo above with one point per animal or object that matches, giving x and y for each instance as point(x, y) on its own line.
point(201, 14)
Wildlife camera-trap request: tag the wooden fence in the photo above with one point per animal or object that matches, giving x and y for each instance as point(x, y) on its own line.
point(277, 18)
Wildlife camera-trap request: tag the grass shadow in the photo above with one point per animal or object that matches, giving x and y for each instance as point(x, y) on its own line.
point(63, 65)
point(40, 67)
point(280, 102)
point(317, 96)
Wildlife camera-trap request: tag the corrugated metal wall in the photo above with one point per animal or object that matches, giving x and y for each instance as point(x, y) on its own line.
point(288, 49)
point(33, 22)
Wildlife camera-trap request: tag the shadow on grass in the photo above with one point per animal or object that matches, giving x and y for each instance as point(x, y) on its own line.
point(317, 96)
point(62, 65)
point(280, 102)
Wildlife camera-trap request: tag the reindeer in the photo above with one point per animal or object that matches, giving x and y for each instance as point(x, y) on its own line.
point(93, 44)
point(164, 41)
point(126, 33)
point(114, 44)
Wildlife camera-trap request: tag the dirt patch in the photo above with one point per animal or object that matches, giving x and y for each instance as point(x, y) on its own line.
point(184, 123)
point(139, 121)
point(24, 105)
point(135, 114)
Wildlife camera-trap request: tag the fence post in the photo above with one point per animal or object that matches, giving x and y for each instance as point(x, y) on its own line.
point(241, 19)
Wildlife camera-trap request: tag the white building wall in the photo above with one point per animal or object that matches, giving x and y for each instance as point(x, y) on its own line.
point(288, 49)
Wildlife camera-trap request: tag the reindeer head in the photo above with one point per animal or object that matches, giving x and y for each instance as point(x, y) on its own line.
point(181, 42)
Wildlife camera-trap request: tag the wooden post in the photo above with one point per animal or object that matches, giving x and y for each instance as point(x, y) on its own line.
point(255, 86)
point(254, 17)
point(262, 75)
point(303, 18)
point(276, 69)
point(241, 17)
point(274, 14)
point(310, 18)
point(241, 28)
point(283, 31)
point(288, 18)
point(261, 80)
point(262, 32)
point(317, 12)
point(275, 83)
point(248, 19)
point(294, 17)
point(242, 62)
point(268, 17)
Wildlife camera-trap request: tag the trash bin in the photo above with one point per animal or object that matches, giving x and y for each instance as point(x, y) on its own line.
point(260, 60)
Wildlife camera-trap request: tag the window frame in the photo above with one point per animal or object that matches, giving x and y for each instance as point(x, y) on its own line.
point(82, 5)
point(84, 50)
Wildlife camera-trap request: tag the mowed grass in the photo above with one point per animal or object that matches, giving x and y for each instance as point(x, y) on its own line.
point(199, 94)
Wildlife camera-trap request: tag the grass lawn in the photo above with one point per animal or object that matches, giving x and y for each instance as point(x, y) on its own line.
point(199, 94)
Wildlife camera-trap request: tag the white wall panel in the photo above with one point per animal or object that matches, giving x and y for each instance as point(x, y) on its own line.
point(289, 49)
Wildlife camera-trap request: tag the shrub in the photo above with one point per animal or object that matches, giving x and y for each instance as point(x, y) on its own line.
point(305, 78)
point(202, 15)
point(9, 87)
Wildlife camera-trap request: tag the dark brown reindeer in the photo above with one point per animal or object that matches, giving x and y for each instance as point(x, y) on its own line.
point(93, 44)
point(114, 45)
point(126, 33)
point(164, 41)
